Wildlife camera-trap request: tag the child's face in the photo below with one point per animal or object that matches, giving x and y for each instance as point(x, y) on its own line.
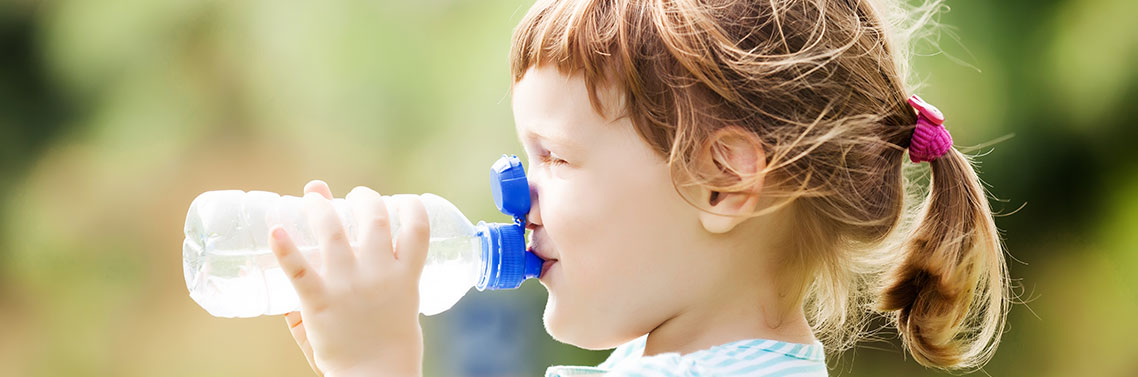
point(605, 208)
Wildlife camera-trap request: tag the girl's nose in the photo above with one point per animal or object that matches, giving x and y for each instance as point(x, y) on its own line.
point(533, 219)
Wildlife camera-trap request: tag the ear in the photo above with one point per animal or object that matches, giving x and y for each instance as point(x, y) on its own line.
point(738, 156)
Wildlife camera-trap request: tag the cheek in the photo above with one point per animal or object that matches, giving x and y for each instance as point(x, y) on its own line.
point(643, 220)
point(598, 210)
point(618, 241)
point(608, 225)
point(576, 221)
point(591, 267)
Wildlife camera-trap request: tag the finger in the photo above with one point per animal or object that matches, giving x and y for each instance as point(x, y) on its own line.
point(374, 224)
point(307, 283)
point(330, 234)
point(414, 233)
point(319, 187)
point(300, 335)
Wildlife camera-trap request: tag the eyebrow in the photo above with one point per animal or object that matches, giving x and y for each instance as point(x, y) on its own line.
point(559, 141)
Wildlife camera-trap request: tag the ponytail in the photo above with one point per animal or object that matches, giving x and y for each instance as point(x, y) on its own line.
point(949, 292)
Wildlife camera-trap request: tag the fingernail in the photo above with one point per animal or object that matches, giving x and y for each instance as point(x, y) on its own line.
point(278, 233)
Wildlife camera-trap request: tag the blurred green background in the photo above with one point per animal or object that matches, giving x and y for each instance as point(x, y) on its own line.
point(115, 114)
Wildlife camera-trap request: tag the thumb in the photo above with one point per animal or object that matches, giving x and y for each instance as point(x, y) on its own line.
point(413, 239)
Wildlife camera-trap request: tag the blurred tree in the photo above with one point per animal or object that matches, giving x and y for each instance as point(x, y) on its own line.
point(114, 114)
point(32, 111)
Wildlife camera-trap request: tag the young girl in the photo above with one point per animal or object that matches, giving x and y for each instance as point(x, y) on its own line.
point(717, 190)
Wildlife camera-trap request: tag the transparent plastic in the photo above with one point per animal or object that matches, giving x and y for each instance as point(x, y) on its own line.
point(231, 272)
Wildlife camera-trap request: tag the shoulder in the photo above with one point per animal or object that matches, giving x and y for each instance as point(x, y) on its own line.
point(628, 351)
point(752, 357)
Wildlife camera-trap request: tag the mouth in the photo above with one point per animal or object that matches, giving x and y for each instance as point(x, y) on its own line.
point(549, 260)
point(545, 267)
point(538, 246)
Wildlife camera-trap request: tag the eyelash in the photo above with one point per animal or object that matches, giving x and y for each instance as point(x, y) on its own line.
point(552, 161)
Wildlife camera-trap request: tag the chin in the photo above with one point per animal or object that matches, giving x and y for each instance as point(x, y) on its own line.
point(579, 330)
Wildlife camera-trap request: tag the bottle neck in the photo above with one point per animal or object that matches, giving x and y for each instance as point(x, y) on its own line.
point(486, 243)
point(506, 263)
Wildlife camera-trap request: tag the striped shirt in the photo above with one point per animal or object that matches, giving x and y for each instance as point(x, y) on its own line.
point(750, 357)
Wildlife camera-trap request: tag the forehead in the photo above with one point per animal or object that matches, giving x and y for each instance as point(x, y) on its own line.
point(550, 107)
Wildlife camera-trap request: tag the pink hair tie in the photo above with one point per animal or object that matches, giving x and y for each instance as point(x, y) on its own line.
point(930, 139)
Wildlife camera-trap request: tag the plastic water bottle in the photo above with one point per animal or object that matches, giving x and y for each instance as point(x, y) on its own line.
point(231, 271)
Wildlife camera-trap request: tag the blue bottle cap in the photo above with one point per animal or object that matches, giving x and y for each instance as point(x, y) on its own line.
point(506, 263)
point(510, 188)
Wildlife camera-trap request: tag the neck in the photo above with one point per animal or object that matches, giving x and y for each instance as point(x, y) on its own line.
point(689, 330)
point(759, 297)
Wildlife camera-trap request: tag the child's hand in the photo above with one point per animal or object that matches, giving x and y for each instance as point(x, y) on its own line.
point(361, 315)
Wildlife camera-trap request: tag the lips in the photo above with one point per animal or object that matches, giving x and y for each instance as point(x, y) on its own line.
point(535, 247)
point(546, 266)
point(540, 253)
point(548, 259)
point(537, 244)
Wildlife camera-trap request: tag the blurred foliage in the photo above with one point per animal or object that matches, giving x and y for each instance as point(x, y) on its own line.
point(115, 114)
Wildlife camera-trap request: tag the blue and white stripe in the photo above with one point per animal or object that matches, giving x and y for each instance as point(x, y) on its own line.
point(751, 357)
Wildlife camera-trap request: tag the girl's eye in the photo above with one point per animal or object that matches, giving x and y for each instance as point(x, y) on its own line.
point(549, 159)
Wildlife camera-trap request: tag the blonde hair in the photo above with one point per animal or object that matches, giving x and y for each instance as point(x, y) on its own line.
point(821, 86)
